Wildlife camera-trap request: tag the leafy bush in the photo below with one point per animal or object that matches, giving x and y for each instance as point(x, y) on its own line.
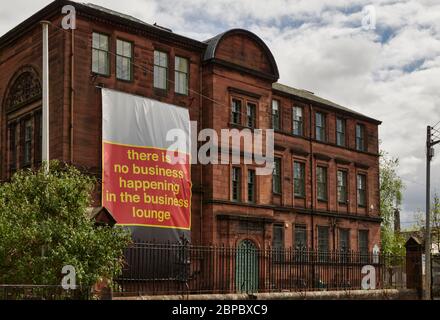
point(44, 226)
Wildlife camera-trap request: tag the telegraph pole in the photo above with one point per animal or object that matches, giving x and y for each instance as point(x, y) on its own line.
point(430, 143)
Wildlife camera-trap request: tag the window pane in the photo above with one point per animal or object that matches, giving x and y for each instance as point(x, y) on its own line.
point(103, 42)
point(322, 183)
point(340, 132)
point(95, 40)
point(119, 47)
point(160, 77)
point(344, 240)
point(181, 75)
point(160, 70)
point(182, 64)
point(298, 121)
point(100, 41)
point(363, 245)
point(363, 240)
point(361, 190)
point(236, 184)
point(360, 137)
point(299, 179)
point(181, 83)
point(12, 148)
point(95, 61)
point(342, 187)
point(277, 176)
point(100, 57)
point(251, 115)
point(320, 127)
point(100, 62)
point(278, 237)
point(300, 237)
point(123, 68)
point(251, 186)
point(27, 148)
point(123, 60)
point(323, 242)
point(127, 52)
point(276, 115)
point(163, 59)
point(278, 243)
point(236, 112)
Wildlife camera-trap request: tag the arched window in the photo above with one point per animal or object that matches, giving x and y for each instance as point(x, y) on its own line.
point(24, 123)
point(25, 89)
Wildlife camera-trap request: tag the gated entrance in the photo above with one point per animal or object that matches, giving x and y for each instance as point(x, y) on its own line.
point(246, 267)
point(436, 276)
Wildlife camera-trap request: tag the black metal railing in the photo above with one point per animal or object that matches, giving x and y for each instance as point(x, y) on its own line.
point(436, 276)
point(41, 292)
point(164, 269)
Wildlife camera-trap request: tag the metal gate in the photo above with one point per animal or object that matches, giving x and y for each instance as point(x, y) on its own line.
point(436, 276)
point(246, 268)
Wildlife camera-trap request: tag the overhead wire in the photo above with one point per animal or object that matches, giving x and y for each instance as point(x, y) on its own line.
point(143, 68)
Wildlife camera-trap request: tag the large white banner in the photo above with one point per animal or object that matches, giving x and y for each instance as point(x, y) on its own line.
point(142, 185)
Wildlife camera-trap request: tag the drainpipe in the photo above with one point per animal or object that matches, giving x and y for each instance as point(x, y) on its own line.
point(72, 91)
point(334, 225)
point(201, 166)
point(311, 176)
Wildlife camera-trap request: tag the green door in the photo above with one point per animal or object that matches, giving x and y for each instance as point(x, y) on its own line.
point(246, 268)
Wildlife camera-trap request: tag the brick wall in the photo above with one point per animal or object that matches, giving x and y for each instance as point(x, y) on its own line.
point(242, 69)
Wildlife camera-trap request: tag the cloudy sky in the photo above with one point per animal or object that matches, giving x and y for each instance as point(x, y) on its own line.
point(390, 72)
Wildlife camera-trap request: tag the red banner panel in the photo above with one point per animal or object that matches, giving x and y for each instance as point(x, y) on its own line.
point(142, 187)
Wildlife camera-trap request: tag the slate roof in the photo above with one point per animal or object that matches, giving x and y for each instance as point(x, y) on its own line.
point(314, 98)
point(100, 12)
point(209, 46)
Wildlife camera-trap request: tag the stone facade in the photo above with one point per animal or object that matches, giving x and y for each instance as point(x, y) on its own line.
point(234, 65)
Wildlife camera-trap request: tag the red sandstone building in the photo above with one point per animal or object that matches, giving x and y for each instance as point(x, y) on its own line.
point(324, 192)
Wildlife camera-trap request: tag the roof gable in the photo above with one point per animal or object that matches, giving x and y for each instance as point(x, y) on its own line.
point(242, 48)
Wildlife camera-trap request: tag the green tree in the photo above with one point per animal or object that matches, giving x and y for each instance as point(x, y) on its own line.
point(44, 226)
point(391, 189)
point(434, 219)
